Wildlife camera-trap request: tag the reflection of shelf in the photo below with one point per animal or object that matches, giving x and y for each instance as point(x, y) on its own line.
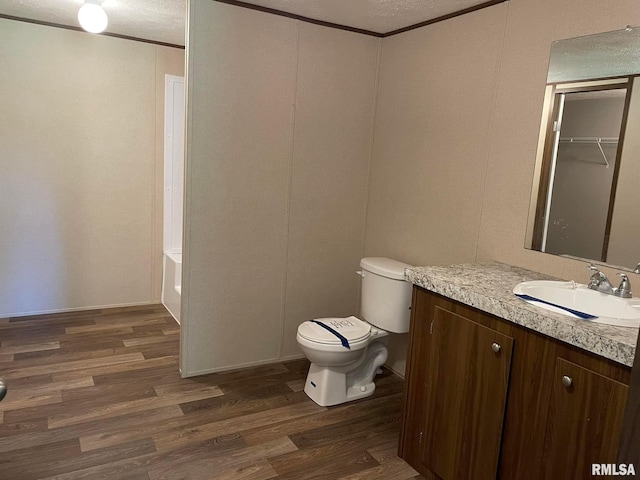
point(589, 139)
point(599, 141)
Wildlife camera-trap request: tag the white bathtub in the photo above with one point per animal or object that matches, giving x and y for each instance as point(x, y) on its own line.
point(172, 283)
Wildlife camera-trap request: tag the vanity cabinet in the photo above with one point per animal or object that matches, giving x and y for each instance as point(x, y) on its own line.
point(487, 399)
point(584, 423)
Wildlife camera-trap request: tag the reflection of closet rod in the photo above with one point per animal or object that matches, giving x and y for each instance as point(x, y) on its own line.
point(597, 140)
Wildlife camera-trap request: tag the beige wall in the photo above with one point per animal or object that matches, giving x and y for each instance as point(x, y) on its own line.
point(331, 151)
point(517, 120)
point(80, 212)
point(457, 124)
point(457, 116)
point(433, 127)
point(278, 138)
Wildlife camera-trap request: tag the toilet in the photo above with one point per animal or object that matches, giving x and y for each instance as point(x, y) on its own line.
point(346, 353)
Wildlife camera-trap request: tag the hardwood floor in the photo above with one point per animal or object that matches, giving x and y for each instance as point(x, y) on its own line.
point(97, 395)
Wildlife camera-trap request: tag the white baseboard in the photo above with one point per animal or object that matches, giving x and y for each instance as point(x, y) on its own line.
point(240, 366)
point(290, 358)
point(258, 363)
point(76, 309)
point(401, 375)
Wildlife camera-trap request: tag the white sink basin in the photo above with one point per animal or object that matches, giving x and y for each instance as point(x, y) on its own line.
point(566, 296)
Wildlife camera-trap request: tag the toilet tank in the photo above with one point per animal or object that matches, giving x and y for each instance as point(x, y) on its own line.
point(386, 295)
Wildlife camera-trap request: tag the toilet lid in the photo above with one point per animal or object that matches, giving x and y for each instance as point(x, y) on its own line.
point(351, 328)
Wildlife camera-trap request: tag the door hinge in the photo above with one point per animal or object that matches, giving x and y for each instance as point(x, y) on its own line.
point(420, 440)
point(431, 329)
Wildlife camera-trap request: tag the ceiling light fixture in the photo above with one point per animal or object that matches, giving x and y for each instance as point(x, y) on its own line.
point(92, 16)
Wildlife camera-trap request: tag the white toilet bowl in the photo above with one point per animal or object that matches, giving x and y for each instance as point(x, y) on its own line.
point(346, 353)
point(340, 373)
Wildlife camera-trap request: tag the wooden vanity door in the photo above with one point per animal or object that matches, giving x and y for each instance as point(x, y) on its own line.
point(466, 390)
point(584, 423)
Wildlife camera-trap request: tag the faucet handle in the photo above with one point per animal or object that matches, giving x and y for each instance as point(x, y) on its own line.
point(624, 290)
point(637, 269)
point(599, 281)
point(596, 276)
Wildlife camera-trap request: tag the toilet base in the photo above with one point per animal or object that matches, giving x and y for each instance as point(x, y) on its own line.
point(328, 386)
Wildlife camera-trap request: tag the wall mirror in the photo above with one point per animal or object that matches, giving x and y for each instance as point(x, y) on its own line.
point(585, 200)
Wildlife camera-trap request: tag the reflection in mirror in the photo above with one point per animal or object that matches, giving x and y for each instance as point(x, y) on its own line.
point(579, 165)
point(585, 200)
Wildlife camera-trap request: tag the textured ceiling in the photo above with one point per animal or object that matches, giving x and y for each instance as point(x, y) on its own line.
point(164, 20)
point(381, 16)
point(157, 20)
point(602, 55)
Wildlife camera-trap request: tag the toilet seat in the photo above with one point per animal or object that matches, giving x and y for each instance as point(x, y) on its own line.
point(354, 330)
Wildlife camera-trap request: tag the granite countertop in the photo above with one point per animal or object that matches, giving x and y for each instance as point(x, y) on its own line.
point(489, 287)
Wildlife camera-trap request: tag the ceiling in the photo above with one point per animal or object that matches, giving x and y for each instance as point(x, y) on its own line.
point(156, 20)
point(602, 55)
point(164, 20)
point(380, 16)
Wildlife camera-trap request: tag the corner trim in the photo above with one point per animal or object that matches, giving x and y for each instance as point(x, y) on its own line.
point(448, 16)
point(272, 11)
point(282, 13)
point(323, 23)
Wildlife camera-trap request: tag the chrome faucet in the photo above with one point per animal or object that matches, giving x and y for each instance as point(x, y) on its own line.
point(600, 282)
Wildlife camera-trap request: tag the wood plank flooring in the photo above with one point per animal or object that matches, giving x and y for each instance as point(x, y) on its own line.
point(97, 395)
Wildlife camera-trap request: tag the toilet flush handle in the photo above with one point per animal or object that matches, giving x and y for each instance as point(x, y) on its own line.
point(360, 272)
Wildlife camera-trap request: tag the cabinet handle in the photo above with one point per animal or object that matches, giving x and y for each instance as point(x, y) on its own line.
point(495, 347)
point(567, 381)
